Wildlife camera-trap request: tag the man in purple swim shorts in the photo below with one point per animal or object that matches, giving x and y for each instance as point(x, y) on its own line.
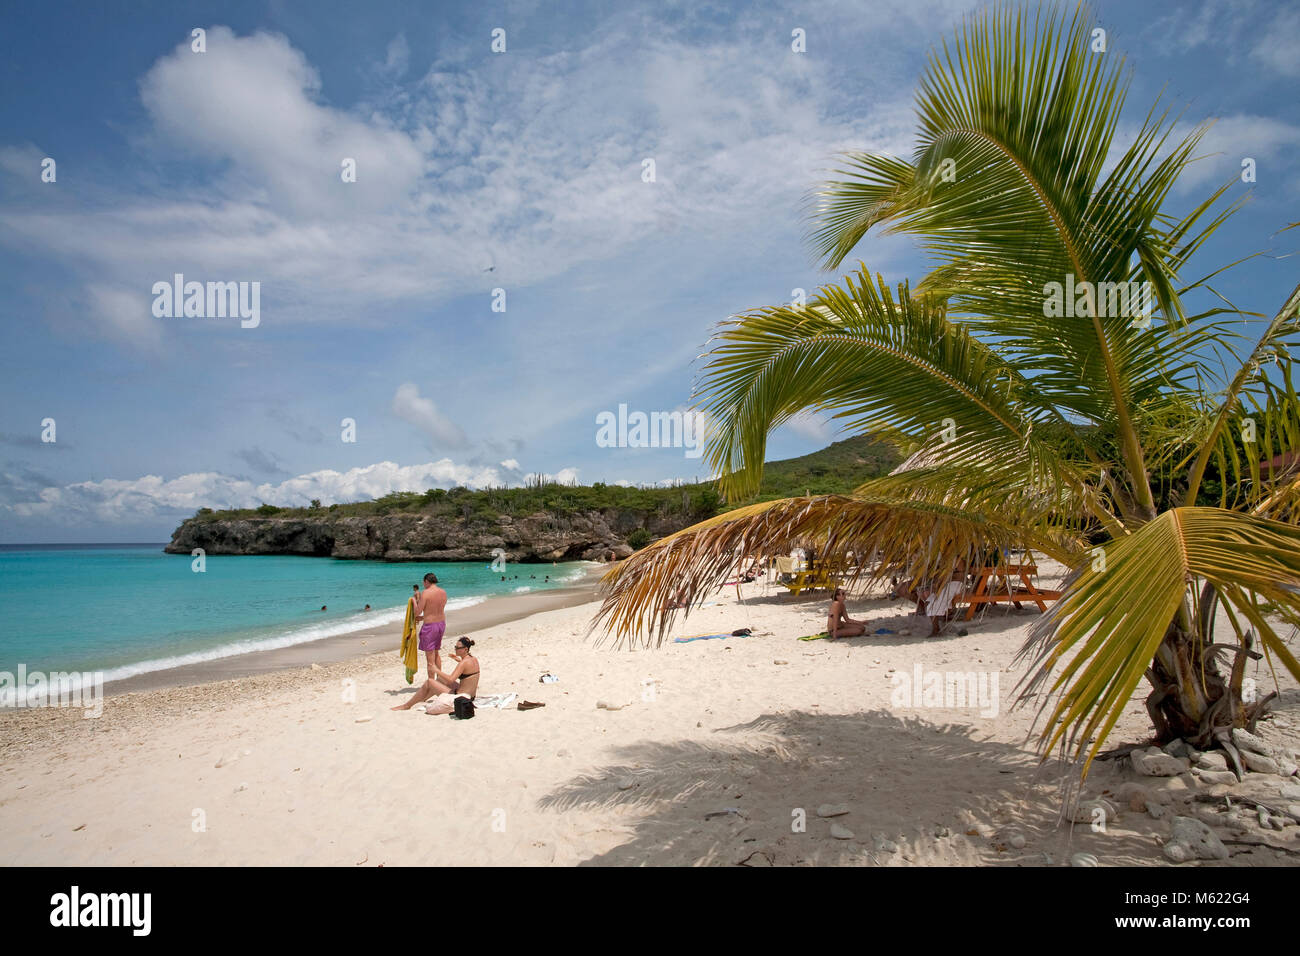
point(431, 607)
point(431, 636)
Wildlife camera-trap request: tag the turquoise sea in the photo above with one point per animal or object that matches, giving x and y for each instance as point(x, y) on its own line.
point(131, 609)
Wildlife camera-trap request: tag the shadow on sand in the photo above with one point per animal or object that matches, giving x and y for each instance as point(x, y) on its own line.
point(934, 790)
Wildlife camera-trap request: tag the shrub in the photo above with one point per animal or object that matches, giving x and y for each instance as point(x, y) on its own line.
point(638, 539)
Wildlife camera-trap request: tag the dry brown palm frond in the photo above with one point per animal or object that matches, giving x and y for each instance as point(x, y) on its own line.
point(916, 537)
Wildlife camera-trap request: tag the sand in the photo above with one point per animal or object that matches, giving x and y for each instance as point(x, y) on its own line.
point(721, 752)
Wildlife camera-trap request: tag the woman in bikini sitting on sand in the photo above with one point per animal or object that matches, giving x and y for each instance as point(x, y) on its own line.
point(838, 622)
point(462, 680)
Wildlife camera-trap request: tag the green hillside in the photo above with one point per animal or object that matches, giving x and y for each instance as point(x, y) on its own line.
point(837, 468)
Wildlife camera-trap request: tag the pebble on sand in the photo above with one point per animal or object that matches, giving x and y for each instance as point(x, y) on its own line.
point(1212, 761)
point(1092, 811)
point(1246, 741)
point(1133, 795)
point(841, 832)
point(832, 810)
point(1154, 763)
point(1217, 777)
point(1258, 762)
point(1197, 841)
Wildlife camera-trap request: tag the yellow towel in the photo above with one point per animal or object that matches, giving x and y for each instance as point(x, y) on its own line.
point(410, 652)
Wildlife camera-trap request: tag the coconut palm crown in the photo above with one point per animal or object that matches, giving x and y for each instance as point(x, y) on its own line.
point(1054, 383)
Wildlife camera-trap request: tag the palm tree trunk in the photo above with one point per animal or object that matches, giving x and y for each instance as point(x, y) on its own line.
point(1190, 698)
point(1186, 685)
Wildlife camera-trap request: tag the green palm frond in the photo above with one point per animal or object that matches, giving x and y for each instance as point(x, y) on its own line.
point(1098, 640)
point(1025, 426)
point(1274, 347)
point(1009, 188)
point(879, 363)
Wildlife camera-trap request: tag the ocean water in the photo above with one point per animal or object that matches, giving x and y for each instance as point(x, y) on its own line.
point(131, 609)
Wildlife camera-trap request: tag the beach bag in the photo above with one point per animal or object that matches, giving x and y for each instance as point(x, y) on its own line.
point(464, 708)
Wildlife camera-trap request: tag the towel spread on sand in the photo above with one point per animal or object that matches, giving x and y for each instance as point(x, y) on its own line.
point(815, 637)
point(498, 701)
point(409, 652)
point(704, 637)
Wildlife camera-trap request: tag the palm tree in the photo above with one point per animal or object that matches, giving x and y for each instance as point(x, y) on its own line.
point(1090, 429)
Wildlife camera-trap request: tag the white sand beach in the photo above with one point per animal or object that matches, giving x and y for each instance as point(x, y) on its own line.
point(720, 752)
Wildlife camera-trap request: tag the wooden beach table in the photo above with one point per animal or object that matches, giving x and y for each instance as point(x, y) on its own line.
point(995, 586)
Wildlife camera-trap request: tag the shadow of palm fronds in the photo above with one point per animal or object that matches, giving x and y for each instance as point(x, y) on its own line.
point(933, 790)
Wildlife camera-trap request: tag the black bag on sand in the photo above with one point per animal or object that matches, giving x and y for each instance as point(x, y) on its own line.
point(464, 709)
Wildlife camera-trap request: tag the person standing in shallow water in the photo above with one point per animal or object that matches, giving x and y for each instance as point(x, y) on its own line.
point(431, 611)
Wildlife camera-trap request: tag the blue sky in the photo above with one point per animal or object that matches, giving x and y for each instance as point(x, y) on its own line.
point(476, 170)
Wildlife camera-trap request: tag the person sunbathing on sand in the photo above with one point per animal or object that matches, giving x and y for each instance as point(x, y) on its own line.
point(838, 622)
point(462, 680)
point(681, 599)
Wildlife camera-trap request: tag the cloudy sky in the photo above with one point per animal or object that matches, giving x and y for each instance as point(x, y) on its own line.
point(475, 171)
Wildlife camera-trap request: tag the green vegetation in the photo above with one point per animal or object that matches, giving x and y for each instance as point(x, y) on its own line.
point(1148, 448)
point(836, 469)
point(833, 470)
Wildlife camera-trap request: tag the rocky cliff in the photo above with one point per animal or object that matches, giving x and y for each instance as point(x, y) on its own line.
point(588, 535)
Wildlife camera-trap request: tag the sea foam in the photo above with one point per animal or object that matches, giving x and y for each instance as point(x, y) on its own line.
point(303, 635)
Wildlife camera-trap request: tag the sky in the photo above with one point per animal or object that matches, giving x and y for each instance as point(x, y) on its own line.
point(521, 170)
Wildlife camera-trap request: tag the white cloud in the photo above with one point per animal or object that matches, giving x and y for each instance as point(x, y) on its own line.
point(807, 425)
point(1234, 138)
point(409, 406)
point(510, 464)
point(23, 162)
point(534, 169)
point(126, 313)
point(151, 496)
point(398, 56)
point(1277, 44)
point(1218, 156)
point(1233, 30)
point(254, 103)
